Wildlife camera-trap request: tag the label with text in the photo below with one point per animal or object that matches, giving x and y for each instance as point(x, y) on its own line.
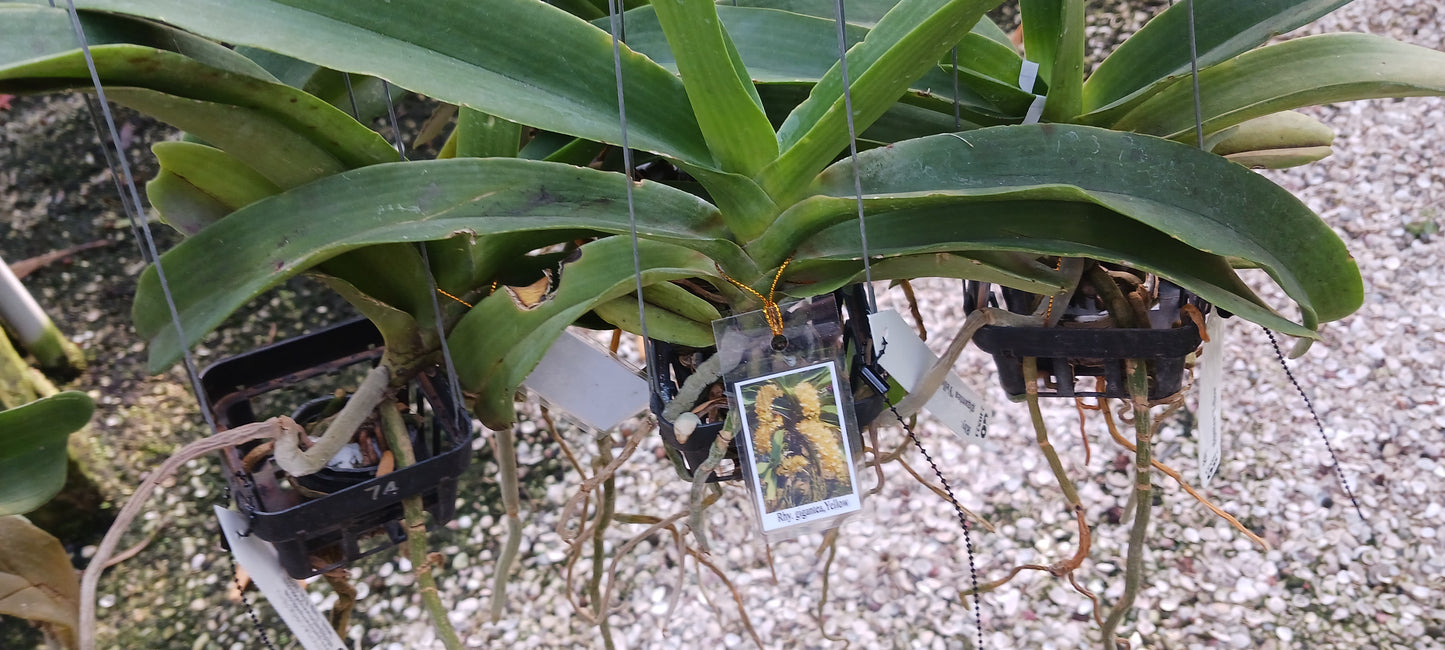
point(1211, 407)
point(285, 595)
point(907, 358)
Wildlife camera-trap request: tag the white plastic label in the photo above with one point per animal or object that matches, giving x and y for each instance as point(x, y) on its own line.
point(1211, 409)
point(907, 359)
point(285, 595)
point(588, 384)
point(1028, 74)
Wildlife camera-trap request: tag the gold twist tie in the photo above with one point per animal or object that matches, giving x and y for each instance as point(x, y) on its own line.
point(771, 312)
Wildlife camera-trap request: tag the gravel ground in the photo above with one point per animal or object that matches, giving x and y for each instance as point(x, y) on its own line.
point(1331, 580)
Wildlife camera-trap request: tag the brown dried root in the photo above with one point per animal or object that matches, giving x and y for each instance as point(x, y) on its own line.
point(1174, 474)
point(90, 580)
point(703, 559)
point(913, 308)
point(830, 543)
point(634, 438)
point(977, 518)
point(1071, 495)
point(561, 443)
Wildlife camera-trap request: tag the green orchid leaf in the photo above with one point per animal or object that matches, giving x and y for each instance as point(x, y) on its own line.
point(200, 184)
point(1322, 69)
point(1158, 54)
point(811, 277)
point(497, 344)
point(404, 338)
point(1192, 196)
point(722, 94)
point(365, 99)
point(282, 156)
point(37, 581)
point(32, 32)
point(781, 48)
point(1275, 141)
point(493, 64)
point(216, 271)
point(33, 448)
point(486, 136)
point(903, 45)
point(1044, 227)
point(177, 81)
point(902, 121)
point(1043, 23)
point(864, 13)
point(1054, 37)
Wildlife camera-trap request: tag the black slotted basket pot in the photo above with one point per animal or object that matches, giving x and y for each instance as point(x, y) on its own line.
point(313, 535)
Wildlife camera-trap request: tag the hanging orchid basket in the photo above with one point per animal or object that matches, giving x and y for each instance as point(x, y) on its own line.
point(1083, 348)
point(345, 511)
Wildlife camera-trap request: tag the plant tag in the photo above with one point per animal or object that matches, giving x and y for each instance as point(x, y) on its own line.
point(1211, 408)
point(1028, 74)
point(285, 595)
point(588, 384)
point(798, 441)
point(907, 358)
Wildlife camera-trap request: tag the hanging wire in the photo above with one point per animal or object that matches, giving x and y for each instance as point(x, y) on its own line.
point(140, 229)
point(853, 151)
point(872, 304)
point(454, 384)
point(134, 210)
point(1194, 75)
point(1199, 135)
point(614, 12)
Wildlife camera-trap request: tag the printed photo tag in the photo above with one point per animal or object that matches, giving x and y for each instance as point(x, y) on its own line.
point(802, 469)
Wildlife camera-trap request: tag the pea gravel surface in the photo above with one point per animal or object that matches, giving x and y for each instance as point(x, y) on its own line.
point(1330, 579)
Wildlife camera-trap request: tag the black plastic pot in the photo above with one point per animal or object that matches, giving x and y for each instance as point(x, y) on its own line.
point(1066, 353)
point(363, 508)
point(673, 362)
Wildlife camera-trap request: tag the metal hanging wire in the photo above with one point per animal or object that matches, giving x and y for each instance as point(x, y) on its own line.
point(841, 22)
point(454, 385)
point(618, 30)
point(115, 159)
point(853, 151)
point(134, 210)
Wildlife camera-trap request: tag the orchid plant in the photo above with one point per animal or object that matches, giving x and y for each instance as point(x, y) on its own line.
point(748, 102)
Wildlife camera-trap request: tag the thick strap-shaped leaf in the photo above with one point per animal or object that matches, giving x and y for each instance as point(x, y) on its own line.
point(784, 48)
point(200, 184)
point(30, 32)
point(487, 56)
point(216, 271)
point(300, 115)
point(1069, 229)
point(1054, 38)
point(1306, 71)
point(1159, 53)
point(1043, 22)
point(33, 448)
point(283, 156)
point(722, 94)
point(904, 45)
point(497, 344)
point(1195, 197)
point(865, 13)
point(902, 121)
point(811, 277)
